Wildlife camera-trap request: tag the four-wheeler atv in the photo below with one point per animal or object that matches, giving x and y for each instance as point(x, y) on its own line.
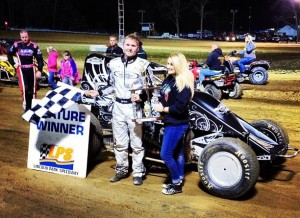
point(227, 149)
point(257, 71)
point(7, 71)
point(221, 85)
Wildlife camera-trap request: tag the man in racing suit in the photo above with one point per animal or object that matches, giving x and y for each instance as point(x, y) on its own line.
point(126, 73)
point(26, 51)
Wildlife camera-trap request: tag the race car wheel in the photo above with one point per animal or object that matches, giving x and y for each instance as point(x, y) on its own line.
point(237, 91)
point(96, 138)
point(43, 80)
point(228, 168)
point(259, 76)
point(3, 75)
point(274, 131)
point(86, 86)
point(213, 91)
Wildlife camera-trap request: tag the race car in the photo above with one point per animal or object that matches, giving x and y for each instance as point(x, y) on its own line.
point(229, 152)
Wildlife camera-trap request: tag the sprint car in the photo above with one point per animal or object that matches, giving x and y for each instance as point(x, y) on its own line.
point(229, 152)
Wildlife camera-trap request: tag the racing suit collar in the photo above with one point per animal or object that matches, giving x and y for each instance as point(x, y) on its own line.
point(28, 43)
point(128, 60)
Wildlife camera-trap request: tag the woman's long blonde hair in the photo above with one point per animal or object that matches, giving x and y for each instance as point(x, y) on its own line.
point(249, 37)
point(184, 78)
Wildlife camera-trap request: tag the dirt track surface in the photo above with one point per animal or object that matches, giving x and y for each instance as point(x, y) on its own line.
point(29, 193)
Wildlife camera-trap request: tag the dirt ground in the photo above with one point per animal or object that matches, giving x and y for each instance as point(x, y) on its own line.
point(29, 193)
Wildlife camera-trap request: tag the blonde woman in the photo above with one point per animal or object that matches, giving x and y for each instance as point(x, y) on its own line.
point(52, 65)
point(176, 92)
point(248, 52)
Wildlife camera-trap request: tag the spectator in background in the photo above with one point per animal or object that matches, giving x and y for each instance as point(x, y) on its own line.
point(113, 48)
point(215, 65)
point(141, 52)
point(68, 69)
point(26, 51)
point(52, 65)
point(249, 55)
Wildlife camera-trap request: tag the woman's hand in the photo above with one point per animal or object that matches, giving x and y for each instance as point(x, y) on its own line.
point(158, 107)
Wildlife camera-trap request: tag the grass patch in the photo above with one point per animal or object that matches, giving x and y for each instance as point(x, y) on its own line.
point(284, 56)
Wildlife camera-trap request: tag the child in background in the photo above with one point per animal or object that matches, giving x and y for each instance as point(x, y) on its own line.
point(68, 69)
point(52, 65)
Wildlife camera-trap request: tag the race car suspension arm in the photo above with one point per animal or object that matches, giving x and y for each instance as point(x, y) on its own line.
point(294, 154)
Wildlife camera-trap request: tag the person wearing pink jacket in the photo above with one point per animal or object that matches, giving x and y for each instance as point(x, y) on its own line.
point(68, 69)
point(52, 65)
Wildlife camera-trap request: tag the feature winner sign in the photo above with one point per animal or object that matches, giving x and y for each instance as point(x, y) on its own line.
point(59, 144)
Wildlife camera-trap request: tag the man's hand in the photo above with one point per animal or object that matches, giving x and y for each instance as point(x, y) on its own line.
point(135, 98)
point(91, 93)
point(38, 74)
point(205, 65)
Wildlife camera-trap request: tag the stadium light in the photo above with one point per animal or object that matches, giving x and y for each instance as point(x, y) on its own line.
point(142, 20)
point(233, 13)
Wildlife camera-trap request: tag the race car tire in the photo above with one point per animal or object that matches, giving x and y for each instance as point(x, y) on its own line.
point(228, 168)
point(277, 133)
point(274, 131)
point(213, 91)
point(43, 80)
point(237, 91)
point(95, 139)
point(4, 75)
point(259, 76)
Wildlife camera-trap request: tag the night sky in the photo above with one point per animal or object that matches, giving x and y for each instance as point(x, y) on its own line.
point(220, 19)
point(102, 15)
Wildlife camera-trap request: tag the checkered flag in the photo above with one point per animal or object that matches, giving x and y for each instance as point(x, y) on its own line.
point(44, 150)
point(55, 101)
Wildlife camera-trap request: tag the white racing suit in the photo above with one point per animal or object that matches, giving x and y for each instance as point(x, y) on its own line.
point(126, 75)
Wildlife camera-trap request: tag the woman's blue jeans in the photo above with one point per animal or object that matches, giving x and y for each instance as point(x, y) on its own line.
point(67, 80)
point(242, 62)
point(172, 151)
point(51, 80)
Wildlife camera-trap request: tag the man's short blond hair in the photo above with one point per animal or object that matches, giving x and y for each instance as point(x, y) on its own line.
point(133, 37)
point(214, 46)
